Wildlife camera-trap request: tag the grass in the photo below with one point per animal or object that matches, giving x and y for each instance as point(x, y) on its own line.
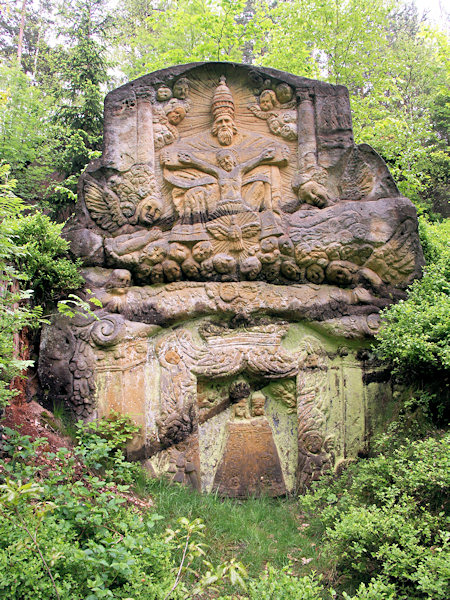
point(255, 531)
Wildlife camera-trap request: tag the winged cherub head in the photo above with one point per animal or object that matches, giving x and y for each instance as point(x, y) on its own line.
point(149, 210)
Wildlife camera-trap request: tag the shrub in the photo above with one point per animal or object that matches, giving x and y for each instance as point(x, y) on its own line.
point(101, 444)
point(57, 519)
point(279, 584)
point(415, 333)
point(386, 521)
point(44, 261)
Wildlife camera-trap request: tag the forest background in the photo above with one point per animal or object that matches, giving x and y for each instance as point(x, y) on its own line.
point(384, 523)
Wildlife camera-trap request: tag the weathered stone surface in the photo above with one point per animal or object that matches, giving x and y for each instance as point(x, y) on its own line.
point(250, 463)
point(243, 247)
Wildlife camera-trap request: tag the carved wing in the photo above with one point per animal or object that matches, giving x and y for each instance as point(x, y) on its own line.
point(103, 205)
point(250, 230)
point(219, 231)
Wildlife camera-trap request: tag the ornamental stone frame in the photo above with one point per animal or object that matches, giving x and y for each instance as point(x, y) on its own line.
point(243, 247)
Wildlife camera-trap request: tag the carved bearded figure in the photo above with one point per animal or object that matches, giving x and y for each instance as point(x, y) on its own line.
point(224, 172)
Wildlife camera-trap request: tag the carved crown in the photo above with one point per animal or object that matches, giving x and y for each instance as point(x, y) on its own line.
point(223, 100)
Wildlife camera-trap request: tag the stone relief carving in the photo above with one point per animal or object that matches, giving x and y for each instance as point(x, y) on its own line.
point(235, 163)
point(226, 354)
point(237, 237)
point(218, 184)
point(315, 446)
point(130, 198)
point(278, 109)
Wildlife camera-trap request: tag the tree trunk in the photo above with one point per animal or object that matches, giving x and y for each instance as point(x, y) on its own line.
point(22, 27)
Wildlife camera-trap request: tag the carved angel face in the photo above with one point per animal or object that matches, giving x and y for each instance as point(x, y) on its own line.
point(176, 115)
point(269, 244)
point(284, 93)
point(289, 131)
point(164, 93)
point(120, 278)
point(178, 252)
point(286, 246)
point(181, 89)
point(157, 274)
point(267, 100)
point(202, 250)
point(190, 268)
point(290, 269)
point(224, 263)
point(154, 255)
point(149, 210)
point(172, 270)
point(251, 267)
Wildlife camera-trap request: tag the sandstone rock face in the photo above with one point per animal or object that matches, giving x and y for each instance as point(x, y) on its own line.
point(243, 247)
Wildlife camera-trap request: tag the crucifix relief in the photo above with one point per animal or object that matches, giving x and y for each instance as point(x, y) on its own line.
point(223, 173)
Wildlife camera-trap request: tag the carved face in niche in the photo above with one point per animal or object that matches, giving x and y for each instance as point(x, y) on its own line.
point(176, 115)
point(164, 93)
point(284, 93)
point(181, 89)
point(267, 100)
point(224, 129)
point(226, 159)
point(240, 409)
point(258, 403)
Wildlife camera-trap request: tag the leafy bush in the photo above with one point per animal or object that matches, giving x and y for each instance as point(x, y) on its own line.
point(101, 444)
point(57, 518)
point(44, 260)
point(386, 521)
point(31, 251)
point(65, 533)
point(415, 335)
point(15, 314)
point(279, 584)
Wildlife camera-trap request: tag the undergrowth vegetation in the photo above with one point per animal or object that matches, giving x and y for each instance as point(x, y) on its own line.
point(86, 524)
